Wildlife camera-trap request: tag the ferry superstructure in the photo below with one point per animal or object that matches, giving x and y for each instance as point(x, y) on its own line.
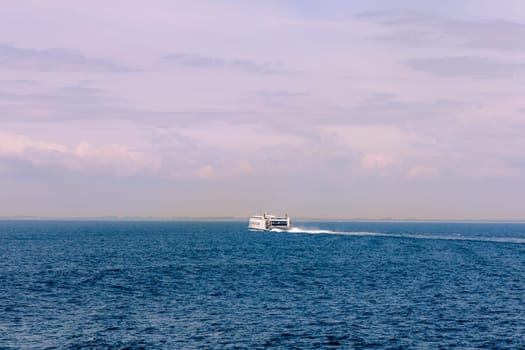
point(267, 222)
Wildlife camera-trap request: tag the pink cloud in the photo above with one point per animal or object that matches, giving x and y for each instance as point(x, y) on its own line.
point(113, 158)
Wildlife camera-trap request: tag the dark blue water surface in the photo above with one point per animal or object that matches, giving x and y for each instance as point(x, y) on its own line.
point(197, 285)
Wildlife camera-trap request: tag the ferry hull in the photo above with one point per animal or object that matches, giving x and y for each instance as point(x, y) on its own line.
point(258, 224)
point(268, 222)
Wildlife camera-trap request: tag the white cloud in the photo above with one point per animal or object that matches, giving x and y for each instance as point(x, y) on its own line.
point(204, 172)
point(18, 146)
point(112, 158)
point(380, 144)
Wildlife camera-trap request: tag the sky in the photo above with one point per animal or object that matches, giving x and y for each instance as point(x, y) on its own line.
point(319, 109)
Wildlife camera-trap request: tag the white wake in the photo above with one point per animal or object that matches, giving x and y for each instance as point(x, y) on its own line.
point(455, 237)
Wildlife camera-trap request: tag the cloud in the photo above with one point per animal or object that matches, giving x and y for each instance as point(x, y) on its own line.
point(19, 82)
point(3, 168)
point(84, 157)
point(118, 159)
point(280, 99)
point(390, 108)
point(458, 148)
point(18, 146)
point(418, 29)
point(66, 103)
point(250, 66)
point(221, 150)
point(421, 171)
point(494, 171)
point(282, 94)
point(56, 59)
point(385, 140)
point(376, 161)
point(204, 172)
point(226, 169)
point(375, 147)
point(466, 66)
point(85, 103)
point(223, 136)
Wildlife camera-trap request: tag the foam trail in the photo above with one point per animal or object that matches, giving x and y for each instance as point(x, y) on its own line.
point(330, 232)
point(407, 235)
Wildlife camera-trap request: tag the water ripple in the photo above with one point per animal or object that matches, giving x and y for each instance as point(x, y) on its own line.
point(133, 285)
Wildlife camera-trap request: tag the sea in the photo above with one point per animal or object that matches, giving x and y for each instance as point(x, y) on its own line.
point(217, 285)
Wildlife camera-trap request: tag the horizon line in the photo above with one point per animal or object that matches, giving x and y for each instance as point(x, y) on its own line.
point(243, 218)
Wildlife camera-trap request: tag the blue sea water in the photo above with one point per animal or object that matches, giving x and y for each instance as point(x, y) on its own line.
point(216, 285)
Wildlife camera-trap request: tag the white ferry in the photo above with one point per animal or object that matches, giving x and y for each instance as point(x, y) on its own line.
point(267, 222)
